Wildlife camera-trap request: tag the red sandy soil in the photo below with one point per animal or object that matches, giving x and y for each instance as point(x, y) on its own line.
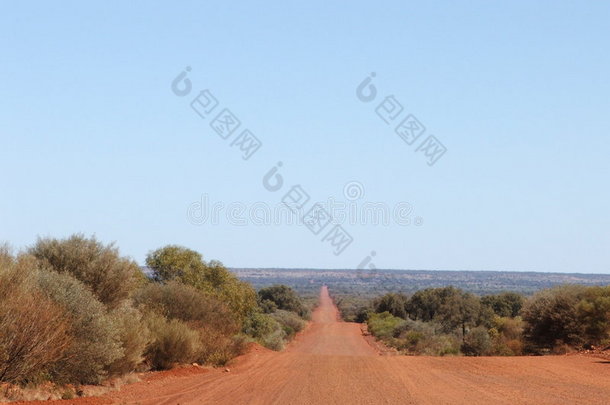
point(332, 363)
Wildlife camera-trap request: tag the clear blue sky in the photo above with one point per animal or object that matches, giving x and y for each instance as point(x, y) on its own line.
point(93, 140)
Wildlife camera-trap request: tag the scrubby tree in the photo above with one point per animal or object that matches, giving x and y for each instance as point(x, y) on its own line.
point(111, 277)
point(451, 307)
point(476, 342)
point(394, 303)
point(174, 262)
point(594, 310)
point(290, 321)
point(175, 300)
point(460, 310)
point(213, 320)
point(283, 297)
point(265, 329)
point(552, 317)
point(187, 266)
point(424, 304)
point(507, 304)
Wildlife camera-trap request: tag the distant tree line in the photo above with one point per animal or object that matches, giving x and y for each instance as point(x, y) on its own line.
point(74, 311)
point(440, 321)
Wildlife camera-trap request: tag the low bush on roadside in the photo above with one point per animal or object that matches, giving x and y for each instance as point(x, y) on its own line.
point(477, 342)
point(284, 298)
point(291, 323)
point(555, 320)
point(214, 322)
point(34, 331)
point(172, 342)
point(73, 311)
point(567, 317)
point(384, 325)
point(187, 266)
point(134, 337)
point(413, 337)
point(265, 330)
point(354, 309)
point(96, 340)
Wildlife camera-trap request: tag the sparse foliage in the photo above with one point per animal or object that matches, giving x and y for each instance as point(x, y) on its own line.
point(172, 342)
point(476, 342)
point(112, 278)
point(96, 338)
point(34, 331)
point(283, 297)
point(187, 266)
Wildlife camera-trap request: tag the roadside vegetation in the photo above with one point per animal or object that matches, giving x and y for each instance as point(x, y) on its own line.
point(74, 311)
point(449, 321)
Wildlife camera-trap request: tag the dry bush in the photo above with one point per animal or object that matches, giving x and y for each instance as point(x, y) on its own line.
point(284, 298)
point(112, 278)
point(172, 342)
point(217, 349)
point(477, 342)
point(507, 335)
point(33, 330)
point(266, 330)
point(213, 320)
point(176, 300)
point(291, 322)
point(179, 263)
point(134, 337)
point(515, 346)
point(96, 339)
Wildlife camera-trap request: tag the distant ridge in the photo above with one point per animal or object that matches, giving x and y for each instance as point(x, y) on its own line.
point(371, 282)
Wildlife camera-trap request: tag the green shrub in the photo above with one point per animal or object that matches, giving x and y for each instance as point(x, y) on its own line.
point(354, 309)
point(172, 342)
point(552, 318)
point(284, 298)
point(111, 277)
point(174, 262)
point(383, 325)
point(96, 338)
point(185, 265)
point(425, 338)
point(211, 319)
point(134, 337)
point(186, 303)
point(394, 303)
point(594, 311)
point(265, 330)
point(507, 304)
point(267, 306)
point(290, 322)
point(451, 307)
point(506, 335)
point(476, 342)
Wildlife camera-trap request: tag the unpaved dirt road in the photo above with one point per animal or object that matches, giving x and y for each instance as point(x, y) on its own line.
point(331, 363)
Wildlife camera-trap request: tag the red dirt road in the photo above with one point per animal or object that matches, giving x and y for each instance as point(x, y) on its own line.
point(331, 363)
